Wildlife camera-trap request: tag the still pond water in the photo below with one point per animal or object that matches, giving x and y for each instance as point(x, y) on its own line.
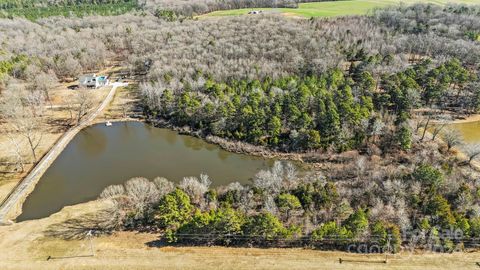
point(100, 156)
point(470, 131)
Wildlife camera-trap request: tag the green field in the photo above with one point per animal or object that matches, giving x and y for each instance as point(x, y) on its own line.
point(334, 8)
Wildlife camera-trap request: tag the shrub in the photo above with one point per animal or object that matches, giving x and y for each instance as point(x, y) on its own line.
point(357, 222)
point(173, 211)
point(264, 229)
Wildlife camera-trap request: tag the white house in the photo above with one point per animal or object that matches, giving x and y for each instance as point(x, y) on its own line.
point(92, 80)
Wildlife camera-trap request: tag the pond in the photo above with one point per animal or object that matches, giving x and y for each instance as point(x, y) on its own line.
point(469, 130)
point(100, 156)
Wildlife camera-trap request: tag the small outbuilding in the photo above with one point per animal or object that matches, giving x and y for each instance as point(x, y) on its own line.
point(93, 81)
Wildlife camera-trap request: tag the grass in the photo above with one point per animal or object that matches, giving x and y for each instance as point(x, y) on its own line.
point(332, 8)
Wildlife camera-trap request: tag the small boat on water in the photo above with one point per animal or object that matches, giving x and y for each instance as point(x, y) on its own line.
point(108, 123)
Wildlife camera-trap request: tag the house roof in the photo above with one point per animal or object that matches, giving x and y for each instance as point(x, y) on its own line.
point(87, 76)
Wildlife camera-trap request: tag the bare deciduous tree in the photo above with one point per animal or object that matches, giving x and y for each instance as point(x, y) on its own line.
point(377, 129)
point(437, 129)
point(68, 67)
point(113, 191)
point(24, 109)
point(164, 186)
point(196, 188)
point(35, 102)
point(84, 103)
point(269, 204)
point(19, 160)
point(291, 176)
point(141, 193)
point(425, 128)
point(132, 201)
point(44, 82)
point(452, 138)
point(30, 128)
point(270, 180)
point(472, 151)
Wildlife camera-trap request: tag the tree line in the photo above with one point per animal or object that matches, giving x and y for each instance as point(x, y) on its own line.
point(34, 10)
point(290, 113)
point(185, 8)
point(8, 4)
point(282, 208)
point(171, 10)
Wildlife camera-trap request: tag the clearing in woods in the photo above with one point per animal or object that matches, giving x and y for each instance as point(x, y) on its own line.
point(332, 8)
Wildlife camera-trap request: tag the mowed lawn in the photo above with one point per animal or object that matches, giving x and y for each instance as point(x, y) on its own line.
point(332, 8)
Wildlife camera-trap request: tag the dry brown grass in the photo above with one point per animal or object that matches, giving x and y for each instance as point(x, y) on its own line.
point(125, 105)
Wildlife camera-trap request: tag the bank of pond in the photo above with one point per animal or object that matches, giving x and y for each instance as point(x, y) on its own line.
point(100, 156)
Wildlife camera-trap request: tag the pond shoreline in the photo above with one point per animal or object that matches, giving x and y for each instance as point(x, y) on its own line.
point(468, 119)
point(239, 147)
point(102, 155)
point(247, 149)
point(315, 160)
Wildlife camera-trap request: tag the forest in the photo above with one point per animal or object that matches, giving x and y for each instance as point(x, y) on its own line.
point(292, 114)
point(36, 9)
point(328, 90)
point(355, 96)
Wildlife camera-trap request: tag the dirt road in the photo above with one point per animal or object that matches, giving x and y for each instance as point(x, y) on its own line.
point(11, 206)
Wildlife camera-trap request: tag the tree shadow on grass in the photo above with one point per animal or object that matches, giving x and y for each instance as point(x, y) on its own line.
point(56, 126)
point(158, 243)
point(99, 223)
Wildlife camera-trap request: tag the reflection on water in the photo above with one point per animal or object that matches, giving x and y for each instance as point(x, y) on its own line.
point(170, 137)
point(93, 142)
point(223, 155)
point(100, 156)
point(193, 143)
point(210, 146)
point(470, 131)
